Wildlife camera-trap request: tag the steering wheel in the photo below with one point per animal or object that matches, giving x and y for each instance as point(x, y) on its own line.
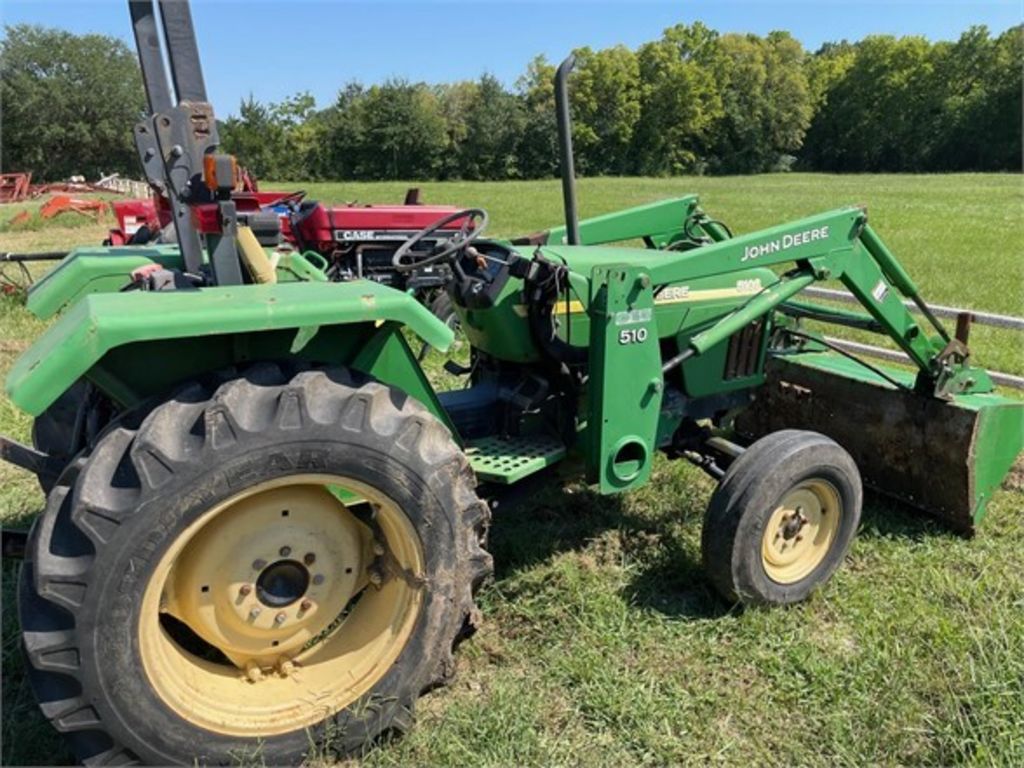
point(448, 247)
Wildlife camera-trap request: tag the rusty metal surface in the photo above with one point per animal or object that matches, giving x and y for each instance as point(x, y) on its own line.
point(917, 449)
point(14, 187)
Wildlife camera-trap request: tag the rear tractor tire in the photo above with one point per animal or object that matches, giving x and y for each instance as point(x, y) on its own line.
point(71, 423)
point(272, 569)
point(782, 519)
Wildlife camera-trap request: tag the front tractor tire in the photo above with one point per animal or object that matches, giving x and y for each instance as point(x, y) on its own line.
point(277, 566)
point(782, 519)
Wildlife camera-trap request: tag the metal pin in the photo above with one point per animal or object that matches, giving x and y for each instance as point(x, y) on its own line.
point(255, 612)
point(285, 551)
point(245, 589)
point(309, 558)
point(318, 579)
point(279, 619)
point(259, 565)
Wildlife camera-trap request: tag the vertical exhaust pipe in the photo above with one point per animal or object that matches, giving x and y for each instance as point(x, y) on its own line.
point(572, 224)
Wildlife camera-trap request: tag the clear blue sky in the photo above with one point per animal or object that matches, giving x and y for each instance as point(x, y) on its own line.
point(275, 48)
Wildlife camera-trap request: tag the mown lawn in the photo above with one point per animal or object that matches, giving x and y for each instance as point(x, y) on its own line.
point(604, 645)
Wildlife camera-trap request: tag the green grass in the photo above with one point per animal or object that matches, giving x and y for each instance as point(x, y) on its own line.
point(61, 232)
point(604, 645)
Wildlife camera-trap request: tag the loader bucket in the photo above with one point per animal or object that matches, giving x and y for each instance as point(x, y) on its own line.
point(945, 457)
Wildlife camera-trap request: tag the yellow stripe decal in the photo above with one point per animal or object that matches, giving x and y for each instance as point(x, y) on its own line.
point(576, 306)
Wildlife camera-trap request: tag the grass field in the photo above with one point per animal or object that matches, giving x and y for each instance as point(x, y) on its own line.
point(604, 645)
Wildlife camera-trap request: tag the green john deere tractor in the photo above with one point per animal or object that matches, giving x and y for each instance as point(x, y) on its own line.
point(270, 527)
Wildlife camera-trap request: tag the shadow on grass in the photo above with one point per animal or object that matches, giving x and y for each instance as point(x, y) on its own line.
point(887, 518)
point(28, 739)
point(551, 519)
point(547, 518)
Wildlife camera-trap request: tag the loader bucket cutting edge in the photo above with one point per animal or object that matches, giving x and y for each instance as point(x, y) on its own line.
point(945, 457)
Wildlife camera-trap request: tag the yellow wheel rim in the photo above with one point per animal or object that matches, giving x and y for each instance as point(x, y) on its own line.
point(279, 607)
point(801, 531)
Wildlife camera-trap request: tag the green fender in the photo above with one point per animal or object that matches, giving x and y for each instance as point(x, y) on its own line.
point(94, 269)
point(135, 344)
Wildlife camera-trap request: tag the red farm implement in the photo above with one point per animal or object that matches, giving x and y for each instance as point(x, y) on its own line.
point(14, 187)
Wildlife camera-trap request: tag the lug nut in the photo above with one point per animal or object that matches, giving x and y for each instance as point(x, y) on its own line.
point(375, 579)
point(285, 667)
point(309, 559)
point(285, 551)
point(255, 612)
point(318, 579)
point(244, 590)
point(305, 605)
point(253, 672)
point(378, 548)
point(279, 619)
point(259, 565)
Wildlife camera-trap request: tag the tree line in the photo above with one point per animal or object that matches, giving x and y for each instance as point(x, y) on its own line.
point(692, 102)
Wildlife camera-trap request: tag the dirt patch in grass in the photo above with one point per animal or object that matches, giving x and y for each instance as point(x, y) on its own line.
point(7, 346)
point(1015, 479)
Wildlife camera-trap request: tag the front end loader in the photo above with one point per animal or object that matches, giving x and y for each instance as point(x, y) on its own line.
point(266, 528)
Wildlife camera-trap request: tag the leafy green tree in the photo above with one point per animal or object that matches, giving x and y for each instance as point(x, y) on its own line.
point(255, 138)
point(981, 113)
point(537, 146)
point(883, 113)
point(342, 133)
point(826, 67)
point(395, 130)
point(302, 137)
point(282, 141)
point(766, 102)
point(456, 100)
point(493, 123)
point(680, 101)
point(402, 132)
point(692, 101)
point(606, 104)
point(70, 103)
point(1000, 119)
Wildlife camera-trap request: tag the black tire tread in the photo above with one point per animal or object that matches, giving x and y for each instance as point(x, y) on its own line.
point(724, 512)
point(133, 460)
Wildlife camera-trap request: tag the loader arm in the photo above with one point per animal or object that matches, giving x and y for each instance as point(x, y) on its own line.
point(660, 225)
point(834, 245)
point(941, 439)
